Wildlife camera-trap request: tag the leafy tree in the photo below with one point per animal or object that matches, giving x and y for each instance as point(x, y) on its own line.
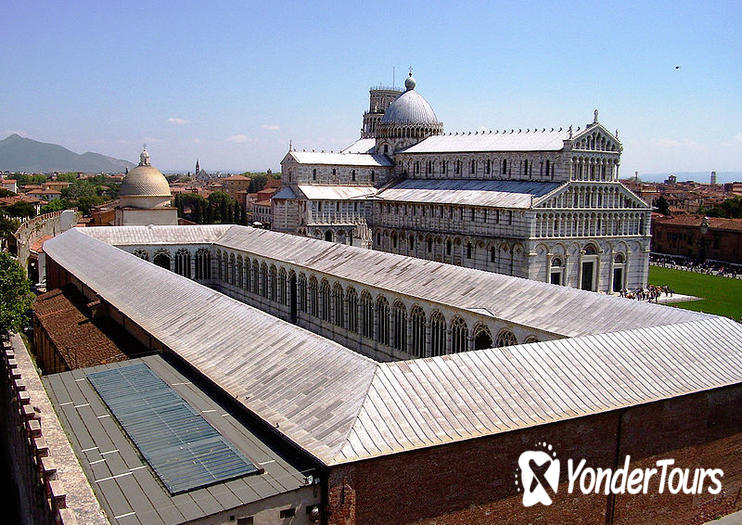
point(55, 205)
point(221, 208)
point(257, 182)
point(6, 193)
point(730, 209)
point(67, 177)
point(662, 205)
point(15, 295)
point(8, 225)
point(21, 209)
point(23, 180)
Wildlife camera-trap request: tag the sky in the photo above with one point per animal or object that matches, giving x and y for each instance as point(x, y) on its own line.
point(232, 83)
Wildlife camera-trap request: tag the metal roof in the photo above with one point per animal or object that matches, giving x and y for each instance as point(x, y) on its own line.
point(183, 449)
point(341, 159)
point(410, 108)
point(513, 140)
point(127, 235)
point(495, 193)
point(316, 192)
point(257, 358)
point(560, 310)
point(361, 146)
point(125, 485)
point(342, 407)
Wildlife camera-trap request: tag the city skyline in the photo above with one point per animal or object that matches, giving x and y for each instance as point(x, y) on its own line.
point(232, 86)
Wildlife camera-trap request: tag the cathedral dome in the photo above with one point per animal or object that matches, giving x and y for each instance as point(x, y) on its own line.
point(410, 108)
point(144, 181)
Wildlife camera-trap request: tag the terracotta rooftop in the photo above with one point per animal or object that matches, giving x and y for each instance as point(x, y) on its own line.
point(715, 223)
point(81, 340)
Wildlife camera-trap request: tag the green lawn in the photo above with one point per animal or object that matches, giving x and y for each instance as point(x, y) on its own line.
point(721, 295)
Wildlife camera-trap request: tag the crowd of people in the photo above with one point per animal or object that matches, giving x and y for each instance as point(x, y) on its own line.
point(733, 271)
point(652, 293)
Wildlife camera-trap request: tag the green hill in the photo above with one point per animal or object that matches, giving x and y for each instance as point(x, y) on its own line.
point(27, 155)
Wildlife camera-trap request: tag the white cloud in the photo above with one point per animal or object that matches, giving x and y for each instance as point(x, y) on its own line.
point(178, 121)
point(271, 127)
point(238, 139)
point(738, 137)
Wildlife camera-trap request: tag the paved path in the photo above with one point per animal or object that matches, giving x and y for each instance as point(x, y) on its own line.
point(730, 519)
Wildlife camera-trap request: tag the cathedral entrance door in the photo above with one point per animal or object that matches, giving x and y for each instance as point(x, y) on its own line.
point(617, 279)
point(588, 267)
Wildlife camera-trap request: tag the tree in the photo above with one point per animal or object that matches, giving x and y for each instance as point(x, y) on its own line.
point(15, 295)
point(6, 193)
point(8, 225)
point(662, 205)
point(55, 205)
point(21, 209)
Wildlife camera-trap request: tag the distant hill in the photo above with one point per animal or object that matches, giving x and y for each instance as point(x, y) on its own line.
point(22, 154)
point(696, 176)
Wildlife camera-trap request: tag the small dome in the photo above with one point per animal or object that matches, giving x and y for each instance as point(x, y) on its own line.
point(409, 108)
point(144, 181)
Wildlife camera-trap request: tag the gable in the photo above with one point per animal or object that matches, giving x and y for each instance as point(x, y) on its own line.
point(552, 200)
point(596, 138)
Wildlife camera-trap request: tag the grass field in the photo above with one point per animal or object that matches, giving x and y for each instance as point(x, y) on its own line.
point(721, 295)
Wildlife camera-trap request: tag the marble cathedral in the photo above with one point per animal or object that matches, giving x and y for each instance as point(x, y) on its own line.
point(543, 204)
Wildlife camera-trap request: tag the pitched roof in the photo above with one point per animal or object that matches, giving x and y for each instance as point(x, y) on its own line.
point(496, 193)
point(341, 159)
point(361, 146)
point(513, 140)
point(342, 407)
point(319, 192)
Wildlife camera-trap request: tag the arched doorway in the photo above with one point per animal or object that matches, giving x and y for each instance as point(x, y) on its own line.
point(482, 338)
point(162, 260)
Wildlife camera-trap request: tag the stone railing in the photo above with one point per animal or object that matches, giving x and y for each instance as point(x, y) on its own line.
point(30, 231)
point(42, 462)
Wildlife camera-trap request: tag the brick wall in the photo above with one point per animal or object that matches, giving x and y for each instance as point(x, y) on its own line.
point(473, 481)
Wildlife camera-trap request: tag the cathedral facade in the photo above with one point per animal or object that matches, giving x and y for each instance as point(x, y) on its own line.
point(543, 204)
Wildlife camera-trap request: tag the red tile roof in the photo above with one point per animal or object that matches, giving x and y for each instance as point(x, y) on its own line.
point(79, 340)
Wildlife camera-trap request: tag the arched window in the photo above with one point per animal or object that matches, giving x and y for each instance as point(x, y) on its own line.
point(493, 254)
point(203, 264)
point(367, 315)
point(282, 286)
point(183, 262)
point(264, 280)
point(437, 334)
point(325, 300)
point(504, 166)
point(590, 249)
point(417, 317)
point(220, 265)
point(482, 337)
point(240, 273)
point(313, 302)
point(619, 259)
point(273, 283)
point(339, 300)
point(232, 276)
point(399, 314)
point(531, 339)
point(382, 320)
point(506, 338)
point(142, 254)
point(255, 282)
point(468, 250)
point(353, 175)
point(162, 259)
point(302, 292)
point(352, 297)
point(459, 335)
point(314, 174)
point(328, 235)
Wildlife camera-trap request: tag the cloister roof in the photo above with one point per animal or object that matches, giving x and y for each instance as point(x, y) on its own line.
point(341, 407)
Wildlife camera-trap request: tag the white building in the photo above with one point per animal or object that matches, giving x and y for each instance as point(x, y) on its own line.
point(543, 204)
point(145, 197)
